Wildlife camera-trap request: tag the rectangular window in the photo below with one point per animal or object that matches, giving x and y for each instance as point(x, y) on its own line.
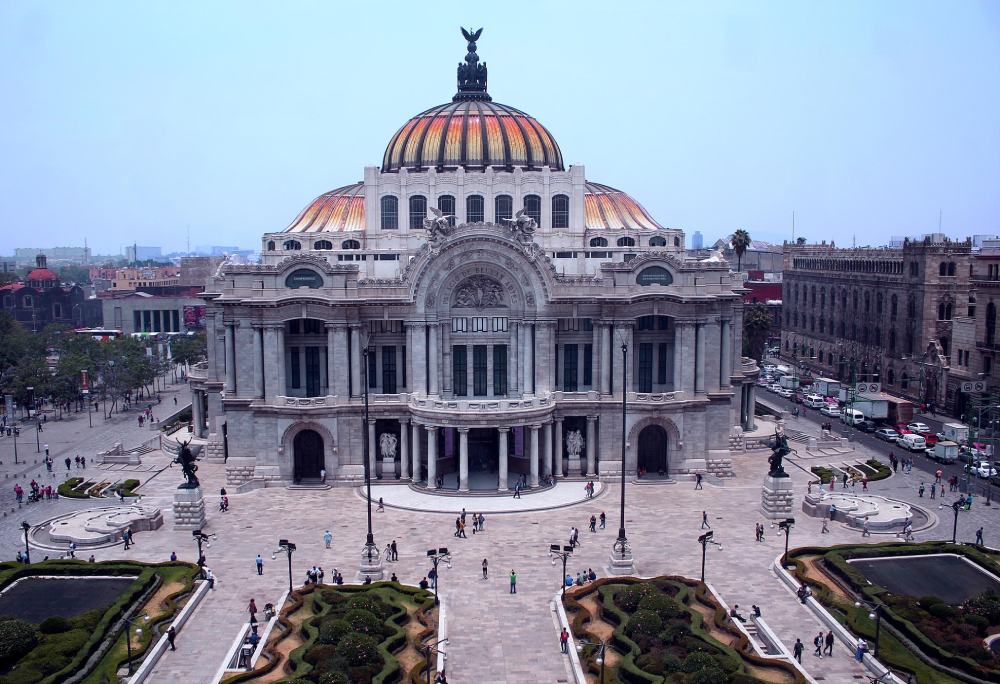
point(500, 324)
point(570, 368)
point(312, 372)
point(460, 324)
point(661, 364)
point(588, 365)
point(475, 209)
point(499, 369)
point(645, 369)
point(480, 324)
point(388, 370)
point(294, 352)
point(479, 370)
point(372, 370)
point(137, 321)
point(147, 321)
point(458, 370)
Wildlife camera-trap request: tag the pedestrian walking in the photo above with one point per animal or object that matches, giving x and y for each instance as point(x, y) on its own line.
point(604, 520)
point(979, 537)
point(327, 538)
point(829, 643)
point(860, 649)
point(593, 523)
point(381, 506)
point(797, 649)
point(394, 550)
point(865, 532)
point(920, 490)
point(933, 489)
point(252, 609)
point(818, 643)
point(564, 641)
point(322, 475)
point(513, 582)
point(260, 565)
point(486, 572)
point(704, 520)
point(172, 633)
point(697, 480)
point(67, 462)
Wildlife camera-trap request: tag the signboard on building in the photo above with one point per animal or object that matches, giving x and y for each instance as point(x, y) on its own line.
point(304, 277)
point(975, 386)
point(867, 388)
point(194, 317)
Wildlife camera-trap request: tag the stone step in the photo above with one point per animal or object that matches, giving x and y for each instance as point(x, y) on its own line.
point(309, 485)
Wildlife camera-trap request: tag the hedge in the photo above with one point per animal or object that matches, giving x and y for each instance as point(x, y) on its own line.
point(68, 488)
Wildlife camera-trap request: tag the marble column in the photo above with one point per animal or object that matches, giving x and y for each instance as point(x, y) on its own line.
point(342, 361)
point(230, 360)
point(592, 446)
point(725, 364)
point(356, 351)
point(331, 359)
point(502, 459)
point(528, 352)
point(282, 388)
point(751, 407)
point(434, 365)
point(404, 448)
point(699, 359)
point(547, 449)
point(595, 357)
point(372, 448)
point(606, 363)
point(533, 482)
point(544, 351)
point(558, 436)
point(517, 357)
point(415, 435)
point(258, 362)
point(678, 356)
point(211, 332)
point(463, 459)
point(417, 353)
point(270, 363)
point(432, 455)
point(197, 416)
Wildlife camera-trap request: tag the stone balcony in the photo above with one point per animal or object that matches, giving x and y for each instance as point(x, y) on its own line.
point(198, 371)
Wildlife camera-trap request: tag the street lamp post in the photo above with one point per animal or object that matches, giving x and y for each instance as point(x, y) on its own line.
point(956, 507)
point(27, 549)
point(564, 552)
point(705, 540)
point(786, 526)
point(15, 432)
point(427, 649)
point(622, 561)
point(436, 556)
point(288, 548)
point(200, 537)
point(128, 638)
point(876, 615)
point(38, 420)
point(86, 396)
point(371, 558)
point(601, 647)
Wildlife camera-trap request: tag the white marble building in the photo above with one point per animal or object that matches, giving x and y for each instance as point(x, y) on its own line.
point(494, 348)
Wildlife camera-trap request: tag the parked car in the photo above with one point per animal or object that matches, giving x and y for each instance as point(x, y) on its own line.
point(831, 410)
point(887, 434)
point(912, 442)
point(918, 427)
point(982, 469)
point(930, 438)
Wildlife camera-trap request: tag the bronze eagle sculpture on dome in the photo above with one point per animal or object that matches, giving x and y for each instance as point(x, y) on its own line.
point(472, 74)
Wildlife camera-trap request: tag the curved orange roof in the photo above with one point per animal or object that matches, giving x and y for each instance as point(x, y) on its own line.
point(473, 134)
point(41, 274)
point(339, 210)
point(606, 208)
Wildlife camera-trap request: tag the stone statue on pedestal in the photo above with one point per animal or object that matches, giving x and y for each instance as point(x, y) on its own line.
point(188, 466)
point(779, 449)
point(574, 444)
point(387, 443)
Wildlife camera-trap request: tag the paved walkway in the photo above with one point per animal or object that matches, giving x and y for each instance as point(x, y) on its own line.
point(404, 497)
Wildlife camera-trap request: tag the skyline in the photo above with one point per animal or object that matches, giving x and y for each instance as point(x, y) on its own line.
point(866, 121)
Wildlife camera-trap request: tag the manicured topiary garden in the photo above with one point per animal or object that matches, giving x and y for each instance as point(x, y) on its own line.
point(950, 635)
point(667, 629)
point(57, 647)
point(349, 633)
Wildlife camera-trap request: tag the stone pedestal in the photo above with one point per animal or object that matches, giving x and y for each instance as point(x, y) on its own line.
point(371, 567)
point(388, 468)
point(776, 497)
point(573, 468)
point(189, 508)
point(622, 562)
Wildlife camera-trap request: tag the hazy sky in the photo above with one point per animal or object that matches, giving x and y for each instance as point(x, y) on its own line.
point(135, 121)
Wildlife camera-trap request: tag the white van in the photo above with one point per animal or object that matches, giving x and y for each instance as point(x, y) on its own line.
point(851, 416)
point(814, 401)
point(912, 442)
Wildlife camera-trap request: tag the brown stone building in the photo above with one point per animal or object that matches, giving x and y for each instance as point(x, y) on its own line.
point(881, 314)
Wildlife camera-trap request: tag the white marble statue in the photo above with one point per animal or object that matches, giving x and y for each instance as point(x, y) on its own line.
point(387, 443)
point(574, 444)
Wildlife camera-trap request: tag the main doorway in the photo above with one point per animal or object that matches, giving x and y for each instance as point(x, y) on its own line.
point(483, 467)
point(308, 460)
point(652, 460)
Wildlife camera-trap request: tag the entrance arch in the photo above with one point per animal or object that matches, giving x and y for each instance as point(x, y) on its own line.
point(652, 451)
point(307, 447)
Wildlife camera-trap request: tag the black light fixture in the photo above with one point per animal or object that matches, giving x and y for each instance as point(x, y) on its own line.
point(786, 526)
point(705, 540)
point(371, 552)
point(564, 552)
point(436, 556)
point(27, 550)
point(288, 548)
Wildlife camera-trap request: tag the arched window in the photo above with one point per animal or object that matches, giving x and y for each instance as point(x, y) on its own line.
point(270, 245)
point(893, 306)
point(868, 302)
point(991, 323)
point(654, 275)
point(57, 310)
point(878, 303)
point(28, 302)
point(892, 377)
point(942, 269)
point(904, 381)
point(972, 306)
point(418, 211)
point(560, 211)
point(533, 207)
point(503, 207)
point(446, 205)
point(350, 244)
point(475, 209)
point(911, 307)
point(951, 268)
point(292, 244)
point(598, 242)
point(941, 311)
point(390, 212)
point(677, 242)
point(323, 244)
point(626, 242)
point(657, 241)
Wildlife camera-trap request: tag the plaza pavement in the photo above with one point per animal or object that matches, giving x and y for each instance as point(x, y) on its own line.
point(495, 636)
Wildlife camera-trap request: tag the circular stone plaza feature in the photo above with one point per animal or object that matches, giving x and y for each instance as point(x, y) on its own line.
point(476, 293)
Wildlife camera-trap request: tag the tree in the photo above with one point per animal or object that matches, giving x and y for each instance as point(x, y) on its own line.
point(740, 243)
point(188, 349)
point(757, 323)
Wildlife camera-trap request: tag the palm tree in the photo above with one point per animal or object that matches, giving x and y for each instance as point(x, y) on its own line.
point(757, 323)
point(740, 242)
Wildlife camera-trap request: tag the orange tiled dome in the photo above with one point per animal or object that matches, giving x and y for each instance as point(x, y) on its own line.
point(606, 208)
point(339, 210)
point(474, 134)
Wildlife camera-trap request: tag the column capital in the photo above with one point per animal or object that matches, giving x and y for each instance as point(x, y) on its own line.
point(371, 421)
point(335, 325)
point(503, 429)
point(272, 326)
point(591, 419)
point(430, 428)
point(404, 420)
point(462, 430)
point(558, 420)
point(536, 427)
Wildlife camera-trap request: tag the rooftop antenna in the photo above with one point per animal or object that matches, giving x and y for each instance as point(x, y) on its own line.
point(940, 216)
point(189, 238)
point(793, 226)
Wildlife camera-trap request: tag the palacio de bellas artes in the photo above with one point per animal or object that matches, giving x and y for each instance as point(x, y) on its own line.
point(486, 305)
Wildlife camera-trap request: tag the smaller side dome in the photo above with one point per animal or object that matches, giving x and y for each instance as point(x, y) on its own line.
point(339, 210)
point(606, 208)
